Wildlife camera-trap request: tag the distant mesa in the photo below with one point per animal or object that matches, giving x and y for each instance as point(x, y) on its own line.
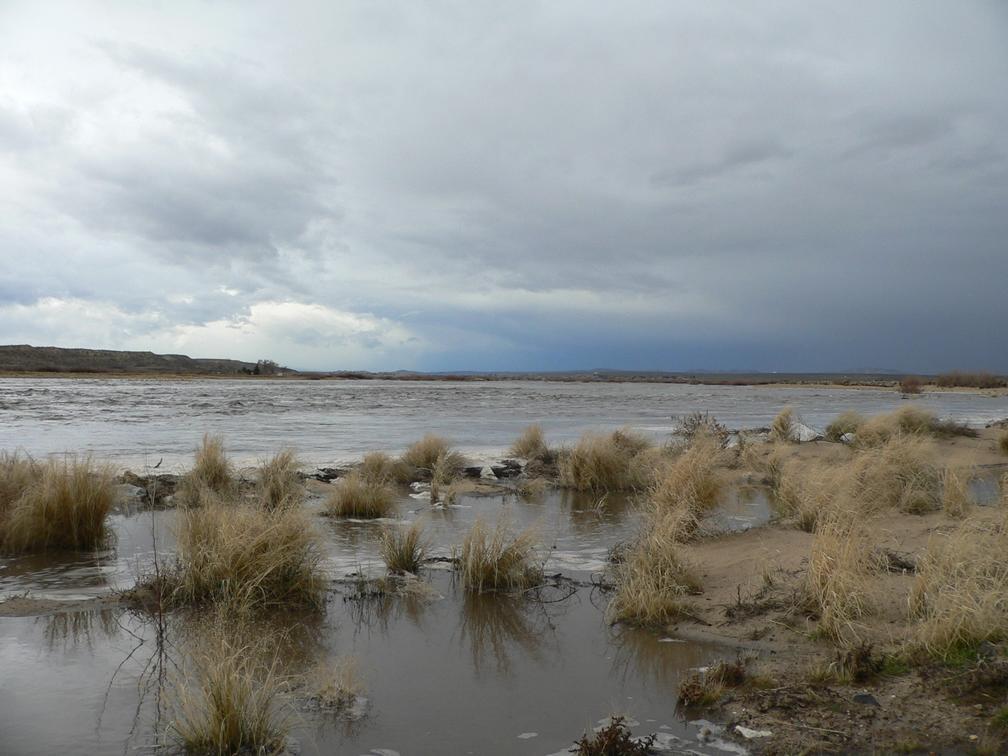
point(24, 358)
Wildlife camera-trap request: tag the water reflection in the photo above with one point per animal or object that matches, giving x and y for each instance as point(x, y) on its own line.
point(66, 630)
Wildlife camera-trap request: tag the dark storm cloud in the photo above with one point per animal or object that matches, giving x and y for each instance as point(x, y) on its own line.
point(522, 185)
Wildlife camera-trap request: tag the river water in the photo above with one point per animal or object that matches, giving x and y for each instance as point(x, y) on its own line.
point(138, 422)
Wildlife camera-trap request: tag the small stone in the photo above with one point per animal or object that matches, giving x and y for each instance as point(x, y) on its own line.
point(866, 698)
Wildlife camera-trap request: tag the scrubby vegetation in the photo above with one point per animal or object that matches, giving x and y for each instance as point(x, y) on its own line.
point(334, 687)
point(614, 739)
point(688, 487)
point(910, 384)
point(956, 500)
point(211, 479)
point(58, 505)
point(971, 380)
point(279, 483)
point(380, 469)
point(355, 496)
point(618, 461)
point(403, 549)
point(846, 422)
point(245, 557)
point(497, 560)
point(1003, 442)
point(702, 424)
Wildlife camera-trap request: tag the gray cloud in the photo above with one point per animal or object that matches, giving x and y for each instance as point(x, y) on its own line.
point(524, 185)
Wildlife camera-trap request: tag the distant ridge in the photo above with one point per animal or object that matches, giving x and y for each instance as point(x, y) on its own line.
point(24, 358)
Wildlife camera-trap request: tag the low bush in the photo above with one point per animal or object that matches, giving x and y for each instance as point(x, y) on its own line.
point(910, 384)
point(614, 739)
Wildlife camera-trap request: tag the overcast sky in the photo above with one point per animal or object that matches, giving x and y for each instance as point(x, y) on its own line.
point(509, 185)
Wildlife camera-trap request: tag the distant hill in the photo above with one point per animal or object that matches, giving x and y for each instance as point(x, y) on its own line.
point(26, 358)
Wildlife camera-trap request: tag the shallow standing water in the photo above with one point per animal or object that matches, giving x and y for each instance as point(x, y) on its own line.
point(138, 422)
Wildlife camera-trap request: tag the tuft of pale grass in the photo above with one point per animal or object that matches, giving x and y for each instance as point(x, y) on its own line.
point(279, 483)
point(653, 578)
point(403, 549)
point(357, 497)
point(609, 462)
point(335, 686)
point(229, 703)
point(899, 474)
point(782, 427)
point(531, 444)
point(497, 560)
point(960, 595)
point(16, 474)
point(424, 454)
point(381, 469)
point(246, 557)
point(956, 500)
point(62, 506)
point(689, 483)
point(804, 491)
point(211, 480)
point(845, 422)
point(837, 582)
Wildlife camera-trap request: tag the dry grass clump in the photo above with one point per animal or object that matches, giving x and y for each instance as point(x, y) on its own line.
point(706, 688)
point(211, 480)
point(335, 686)
point(246, 557)
point(228, 703)
point(614, 739)
point(908, 420)
point(381, 469)
point(803, 490)
point(845, 422)
point(910, 384)
point(531, 444)
point(956, 500)
point(782, 427)
point(702, 423)
point(653, 578)
point(611, 462)
point(279, 484)
point(425, 453)
point(62, 505)
point(497, 560)
point(899, 474)
point(839, 573)
point(1003, 442)
point(403, 549)
point(689, 483)
point(960, 596)
point(356, 497)
point(16, 474)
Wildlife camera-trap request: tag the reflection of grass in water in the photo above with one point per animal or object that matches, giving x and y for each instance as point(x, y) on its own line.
point(377, 603)
point(496, 625)
point(591, 513)
point(640, 655)
point(70, 629)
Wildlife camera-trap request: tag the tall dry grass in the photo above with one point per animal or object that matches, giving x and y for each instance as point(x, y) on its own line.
point(355, 496)
point(899, 473)
point(403, 549)
point(782, 427)
point(61, 505)
point(960, 595)
point(244, 556)
point(381, 469)
point(425, 453)
point(845, 422)
point(838, 580)
point(617, 461)
point(229, 702)
point(211, 479)
point(279, 483)
point(689, 485)
point(802, 491)
point(956, 500)
point(498, 560)
point(17, 473)
point(531, 444)
point(654, 577)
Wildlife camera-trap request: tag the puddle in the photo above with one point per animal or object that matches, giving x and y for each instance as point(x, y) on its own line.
point(450, 673)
